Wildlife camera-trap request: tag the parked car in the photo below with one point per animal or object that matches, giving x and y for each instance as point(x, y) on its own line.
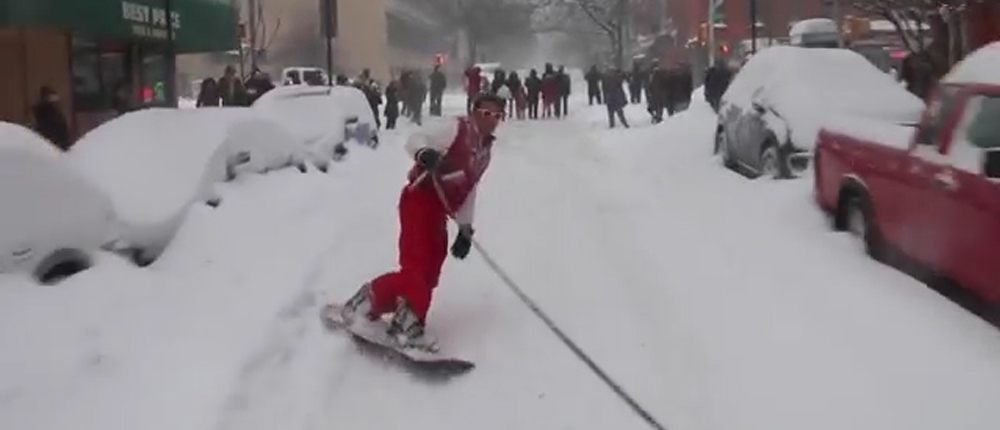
point(930, 193)
point(52, 220)
point(154, 164)
point(323, 118)
point(772, 111)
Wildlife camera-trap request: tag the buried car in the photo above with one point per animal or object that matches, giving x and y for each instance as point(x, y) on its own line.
point(52, 218)
point(323, 118)
point(155, 163)
point(772, 111)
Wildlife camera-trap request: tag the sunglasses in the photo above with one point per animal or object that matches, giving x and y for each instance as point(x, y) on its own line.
point(489, 113)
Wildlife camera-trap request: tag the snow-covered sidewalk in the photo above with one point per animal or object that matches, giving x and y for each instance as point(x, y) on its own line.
point(720, 303)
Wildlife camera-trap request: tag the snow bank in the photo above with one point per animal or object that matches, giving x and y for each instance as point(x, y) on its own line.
point(807, 85)
point(46, 205)
point(980, 67)
point(154, 163)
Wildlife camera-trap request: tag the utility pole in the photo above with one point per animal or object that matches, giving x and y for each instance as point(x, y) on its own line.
point(328, 24)
point(838, 17)
point(753, 26)
point(252, 6)
point(170, 85)
point(710, 23)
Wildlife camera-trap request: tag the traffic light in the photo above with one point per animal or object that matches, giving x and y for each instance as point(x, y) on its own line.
point(724, 48)
point(703, 33)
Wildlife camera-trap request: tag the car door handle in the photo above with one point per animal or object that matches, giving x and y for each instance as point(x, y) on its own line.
point(945, 180)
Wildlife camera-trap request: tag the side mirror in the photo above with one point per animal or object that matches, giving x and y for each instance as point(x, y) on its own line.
point(991, 164)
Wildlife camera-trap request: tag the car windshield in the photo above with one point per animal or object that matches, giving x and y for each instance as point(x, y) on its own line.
point(984, 129)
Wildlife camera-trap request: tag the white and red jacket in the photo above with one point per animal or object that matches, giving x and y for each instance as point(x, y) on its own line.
point(465, 156)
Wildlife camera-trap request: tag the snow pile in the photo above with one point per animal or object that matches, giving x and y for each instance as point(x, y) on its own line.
point(46, 206)
point(805, 86)
point(155, 163)
point(979, 67)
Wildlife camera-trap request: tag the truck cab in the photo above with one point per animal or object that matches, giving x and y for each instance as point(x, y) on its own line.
point(936, 200)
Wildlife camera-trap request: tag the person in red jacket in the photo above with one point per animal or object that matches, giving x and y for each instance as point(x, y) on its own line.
point(473, 85)
point(449, 162)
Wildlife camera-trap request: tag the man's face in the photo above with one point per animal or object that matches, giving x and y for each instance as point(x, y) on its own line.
point(487, 117)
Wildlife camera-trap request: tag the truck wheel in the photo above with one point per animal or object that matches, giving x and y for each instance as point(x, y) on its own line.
point(859, 220)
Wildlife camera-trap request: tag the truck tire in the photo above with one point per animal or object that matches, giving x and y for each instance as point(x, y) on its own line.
point(856, 215)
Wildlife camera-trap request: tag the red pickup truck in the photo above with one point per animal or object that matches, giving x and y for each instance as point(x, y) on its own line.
point(931, 190)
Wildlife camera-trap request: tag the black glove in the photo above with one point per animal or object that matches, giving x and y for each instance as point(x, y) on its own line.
point(463, 242)
point(430, 159)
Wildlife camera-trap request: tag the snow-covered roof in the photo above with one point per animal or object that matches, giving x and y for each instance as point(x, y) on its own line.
point(813, 25)
point(980, 67)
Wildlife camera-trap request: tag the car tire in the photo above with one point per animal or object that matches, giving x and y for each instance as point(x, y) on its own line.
point(770, 161)
point(718, 140)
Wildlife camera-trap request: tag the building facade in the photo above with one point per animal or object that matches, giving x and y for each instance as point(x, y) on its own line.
point(103, 57)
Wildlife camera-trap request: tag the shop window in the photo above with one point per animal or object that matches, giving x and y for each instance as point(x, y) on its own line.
point(86, 76)
point(154, 76)
point(100, 76)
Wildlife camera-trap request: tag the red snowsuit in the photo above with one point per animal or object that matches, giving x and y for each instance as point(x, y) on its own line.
point(423, 238)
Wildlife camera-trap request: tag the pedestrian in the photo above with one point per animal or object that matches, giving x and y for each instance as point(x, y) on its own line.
point(49, 119)
point(438, 84)
point(473, 85)
point(391, 104)
point(565, 88)
point(614, 97)
point(534, 86)
point(449, 163)
point(593, 78)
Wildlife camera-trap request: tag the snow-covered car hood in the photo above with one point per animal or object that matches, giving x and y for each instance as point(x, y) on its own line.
point(806, 86)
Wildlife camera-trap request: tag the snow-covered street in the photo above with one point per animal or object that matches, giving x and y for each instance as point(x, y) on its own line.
point(718, 302)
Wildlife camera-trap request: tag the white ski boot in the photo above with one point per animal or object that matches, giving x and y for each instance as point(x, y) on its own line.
point(407, 330)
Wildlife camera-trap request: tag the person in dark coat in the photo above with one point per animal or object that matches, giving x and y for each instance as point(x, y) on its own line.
point(717, 80)
point(534, 86)
point(565, 88)
point(438, 84)
point(499, 80)
point(391, 104)
point(231, 89)
point(208, 95)
point(636, 81)
point(514, 85)
point(416, 95)
point(49, 119)
point(657, 92)
point(258, 85)
point(614, 96)
point(593, 78)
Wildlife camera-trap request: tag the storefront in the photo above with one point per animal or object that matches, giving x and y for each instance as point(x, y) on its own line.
point(103, 57)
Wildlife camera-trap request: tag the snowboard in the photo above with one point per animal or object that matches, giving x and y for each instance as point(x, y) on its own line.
point(372, 337)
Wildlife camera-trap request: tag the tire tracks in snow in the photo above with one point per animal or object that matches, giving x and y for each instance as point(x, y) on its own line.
point(297, 373)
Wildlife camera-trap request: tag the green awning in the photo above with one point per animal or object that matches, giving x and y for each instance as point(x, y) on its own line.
point(199, 25)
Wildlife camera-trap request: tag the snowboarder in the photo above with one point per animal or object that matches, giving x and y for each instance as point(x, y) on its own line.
point(449, 161)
